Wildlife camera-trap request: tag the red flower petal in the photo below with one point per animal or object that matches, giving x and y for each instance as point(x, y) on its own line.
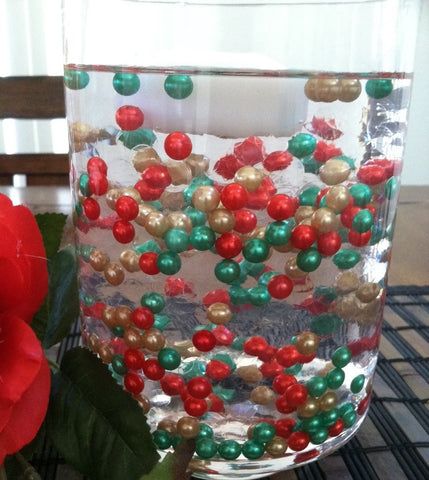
point(5, 202)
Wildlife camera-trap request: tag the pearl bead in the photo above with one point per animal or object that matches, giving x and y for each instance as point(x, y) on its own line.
point(114, 274)
point(328, 401)
point(324, 220)
point(94, 343)
point(133, 338)
point(349, 89)
point(168, 425)
point(262, 395)
point(130, 260)
point(249, 177)
point(180, 173)
point(334, 171)
point(109, 316)
point(221, 220)
point(131, 192)
point(250, 374)
point(322, 89)
point(123, 316)
point(287, 247)
point(111, 196)
point(106, 353)
point(219, 313)
point(368, 292)
point(179, 220)
point(199, 164)
point(188, 427)
point(303, 212)
point(346, 307)
point(292, 270)
point(347, 282)
point(307, 343)
point(156, 224)
point(309, 409)
point(144, 158)
point(276, 447)
point(337, 198)
point(259, 233)
point(206, 198)
point(153, 340)
point(144, 211)
point(98, 260)
point(172, 200)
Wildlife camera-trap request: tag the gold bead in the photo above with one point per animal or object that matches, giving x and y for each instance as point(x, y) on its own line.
point(221, 220)
point(179, 220)
point(114, 274)
point(144, 211)
point(259, 233)
point(180, 173)
point(94, 343)
point(123, 316)
point(156, 224)
point(262, 395)
point(292, 270)
point(328, 401)
point(145, 157)
point(304, 212)
point(106, 353)
point(249, 373)
point(206, 198)
point(337, 198)
point(334, 171)
point(276, 447)
point(131, 192)
point(130, 260)
point(347, 282)
point(249, 177)
point(168, 425)
point(111, 196)
point(324, 220)
point(250, 431)
point(287, 247)
point(133, 338)
point(368, 313)
point(307, 343)
point(219, 313)
point(188, 427)
point(350, 89)
point(368, 292)
point(346, 307)
point(322, 89)
point(144, 402)
point(83, 133)
point(172, 200)
point(109, 316)
point(309, 409)
point(153, 340)
point(199, 164)
point(306, 221)
point(98, 260)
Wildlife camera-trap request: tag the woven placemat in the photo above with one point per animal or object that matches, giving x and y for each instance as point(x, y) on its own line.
point(393, 442)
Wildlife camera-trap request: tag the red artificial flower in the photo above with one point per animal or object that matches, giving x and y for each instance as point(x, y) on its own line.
point(23, 267)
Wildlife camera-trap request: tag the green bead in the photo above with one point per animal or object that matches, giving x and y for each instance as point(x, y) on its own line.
point(349, 418)
point(176, 240)
point(118, 365)
point(256, 250)
point(154, 301)
point(202, 238)
point(126, 83)
point(312, 424)
point(350, 161)
point(238, 295)
point(169, 358)
point(308, 196)
point(161, 322)
point(149, 246)
point(88, 300)
point(229, 449)
point(169, 263)
point(162, 439)
point(227, 271)
point(316, 386)
point(325, 323)
point(118, 331)
point(325, 294)
point(263, 432)
point(278, 233)
point(134, 138)
point(206, 448)
point(253, 269)
point(294, 370)
point(225, 394)
point(391, 188)
point(362, 221)
point(299, 425)
point(75, 79)
point(319, 436)
point(176, 441)
point(357, 383)
point(345, 408)
point(361, 194)
point(84, 185)
point(225, 358)
point(311, 165)
point(78, 209)
point(259, 296)
point(265, 278)
point(197, 217)
point(238, 344)
point(341, 357)
point(178, 86)
point(308, 260)
point(205, 431)
point(252, 449)
point(193, 369)
point(346, 259)
point(329, 418)
point(335, 378)
point(302, 145)
point(379, 88)
point(86, 251)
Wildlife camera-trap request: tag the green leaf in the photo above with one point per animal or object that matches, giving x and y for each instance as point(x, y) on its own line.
point(51, 226)
point(97, 427)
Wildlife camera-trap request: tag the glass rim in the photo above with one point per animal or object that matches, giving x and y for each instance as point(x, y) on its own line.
point(252, 3)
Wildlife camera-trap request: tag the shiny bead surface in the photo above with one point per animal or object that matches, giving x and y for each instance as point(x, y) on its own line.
point(229, 449)
point(316, 386)
point(335, 378)
point(278, 233)
point(256, 250)
point(349, 89)
point(307, 343)
point(308, 260)
point(328, 401)
point(178, 145)
point(206, 198)
point(302, 144)
point(341, 357)
point(206, 448)
point(114, 274)
point(178, 87)
point(334, 171)
point(227, 271)
point(129, 117)
point(357, 383)
point(76, 79)
point(169, 358)
point(379, 88)
point(263, 432)
point(162, 439)
point(276, 447)
point(252, 449)
point(262, 395)
point(126, 83)
point(346, 259)
point(219, 313)
point(188, 427)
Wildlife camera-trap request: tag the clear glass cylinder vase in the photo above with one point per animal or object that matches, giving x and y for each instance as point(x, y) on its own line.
point(235, 169)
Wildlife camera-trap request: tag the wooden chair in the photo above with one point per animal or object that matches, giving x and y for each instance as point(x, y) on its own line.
point(33, 98)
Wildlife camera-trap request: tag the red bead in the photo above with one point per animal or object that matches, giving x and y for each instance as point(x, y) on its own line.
point(153, 370)
point(270, 369)
point(172, 384)
point(277, 161)
point(245, 221)
point(204, 341)
point(363, 404)
point(348, 214)
point(227, 166)
point(283, 406)
point(134, 359)
point(127, 208)
point(178, 146)
point(371, 174)
point(196, 407)
point(335, 429)
point(98, 183)
point(287, 356)
point(96, 164)
point(228, 245)
point(329, 243)
point(218, 370)
point(250, 151)
point(267, 354)
point(280, 287)
point(306, 358)
point(223, 336)
point(359, 239)
point(296, 395)
point(282, 382)
point(281, 207)
point(133, 383)
point(258, 200)
point(129, 117)
point(148, 263)
point(143, 318)
point(199, 387)
point(220, 295)
point(147, 193)
point(91, 208)
point(234, 196)
point(284, 427)
point(372, 209)
point(255, 346)
point(123, 231)
point(215, 403)
point(303, 236)
point(157, 176)
point(324, 151)
point(298, 441)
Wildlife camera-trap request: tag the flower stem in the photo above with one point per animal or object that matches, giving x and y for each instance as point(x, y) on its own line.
point(54, 365)
point(3, 475)
point(28, 469)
